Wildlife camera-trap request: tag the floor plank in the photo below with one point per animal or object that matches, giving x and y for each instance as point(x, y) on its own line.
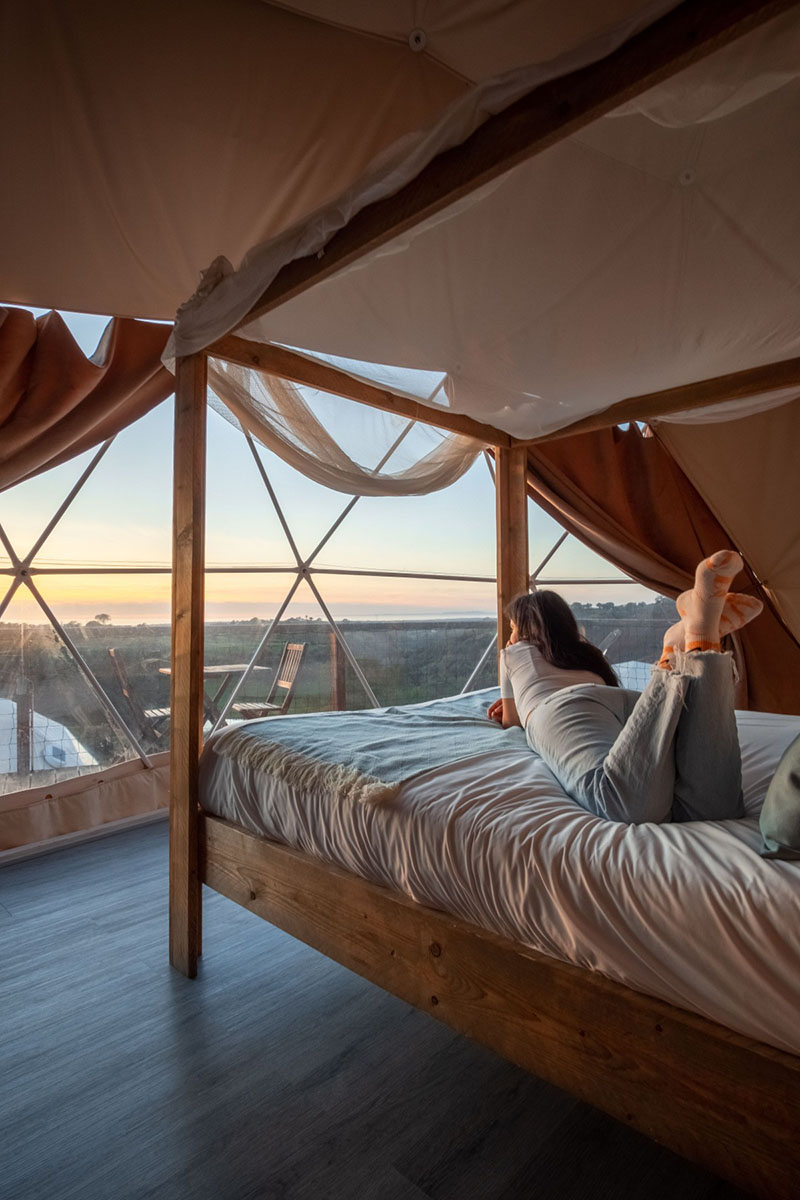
point(276, 1075)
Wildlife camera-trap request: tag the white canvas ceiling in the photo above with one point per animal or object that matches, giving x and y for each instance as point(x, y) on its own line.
point(656, 247)
point(140, 141)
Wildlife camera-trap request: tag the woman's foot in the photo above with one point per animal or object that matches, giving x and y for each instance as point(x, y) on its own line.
point(702, 606)
point(737, 610)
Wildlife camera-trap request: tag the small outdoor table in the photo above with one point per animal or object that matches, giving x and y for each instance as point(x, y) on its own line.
point(224, 672)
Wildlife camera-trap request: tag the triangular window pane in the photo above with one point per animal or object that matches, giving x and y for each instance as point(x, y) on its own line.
point(449, 532)
point(572, 561)
point(52, 725)
point(415, 639)
point(231, 644)
point(239, 612)
point(122, 514)
point(308, 507)
point(242, 527)
point(26, 508)
point(238, 597)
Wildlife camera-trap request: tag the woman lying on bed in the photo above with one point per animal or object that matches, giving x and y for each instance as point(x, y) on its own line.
point(670, 752)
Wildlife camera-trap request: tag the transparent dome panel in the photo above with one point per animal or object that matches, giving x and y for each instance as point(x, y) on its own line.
point(414, 640)
point(27, 509)
point(449, 532)
point(54, 724)
point(122, 515)
point(244, 524)
point(233, 644)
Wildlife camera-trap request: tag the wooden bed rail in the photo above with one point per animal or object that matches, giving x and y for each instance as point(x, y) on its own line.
point(726, 1102)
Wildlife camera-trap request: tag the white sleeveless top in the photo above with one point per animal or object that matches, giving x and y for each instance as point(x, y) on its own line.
point(527, 678)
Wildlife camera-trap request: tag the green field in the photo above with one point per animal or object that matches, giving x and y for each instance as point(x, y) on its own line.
point(404, 661)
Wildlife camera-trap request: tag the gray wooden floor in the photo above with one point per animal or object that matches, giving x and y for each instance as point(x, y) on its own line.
point(276, 1074)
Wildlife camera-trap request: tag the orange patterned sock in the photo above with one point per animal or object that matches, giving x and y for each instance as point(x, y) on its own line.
point(737, 610)
point(701, 607)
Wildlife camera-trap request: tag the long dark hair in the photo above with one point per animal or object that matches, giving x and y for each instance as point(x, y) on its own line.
point(546, 620)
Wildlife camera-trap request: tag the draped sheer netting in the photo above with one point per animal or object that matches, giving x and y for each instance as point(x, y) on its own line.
point(337, 442)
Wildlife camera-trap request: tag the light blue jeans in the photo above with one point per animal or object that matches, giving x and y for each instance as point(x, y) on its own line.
point(670, 752)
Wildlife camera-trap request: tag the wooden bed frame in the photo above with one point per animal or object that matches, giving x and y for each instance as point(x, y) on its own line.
point(725, 1101)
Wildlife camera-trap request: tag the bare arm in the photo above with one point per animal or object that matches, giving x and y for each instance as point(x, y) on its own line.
point(504, 710)
point(505, 713)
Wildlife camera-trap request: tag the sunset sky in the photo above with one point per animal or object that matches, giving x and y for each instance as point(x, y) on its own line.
point(122, 518)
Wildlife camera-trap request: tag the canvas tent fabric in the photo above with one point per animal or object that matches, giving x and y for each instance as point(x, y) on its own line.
point(55, 402)
point(224, 296)
point(156, 136)
point(658, 246)
point(747, 472)
point(119, 793)
point(623, 494)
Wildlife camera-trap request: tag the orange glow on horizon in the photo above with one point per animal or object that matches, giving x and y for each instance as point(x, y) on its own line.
point(136, 599)
point(132, 599)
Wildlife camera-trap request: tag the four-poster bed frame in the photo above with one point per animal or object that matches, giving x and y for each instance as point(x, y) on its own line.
point(727, 1102)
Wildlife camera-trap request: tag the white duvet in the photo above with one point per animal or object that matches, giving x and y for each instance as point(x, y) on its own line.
point(688, 912)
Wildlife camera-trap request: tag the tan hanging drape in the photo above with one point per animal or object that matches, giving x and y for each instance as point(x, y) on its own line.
point(620, 493)
point(746, 471)
point(55, 402)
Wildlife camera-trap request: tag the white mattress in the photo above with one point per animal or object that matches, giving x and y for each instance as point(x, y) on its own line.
point(688, 912)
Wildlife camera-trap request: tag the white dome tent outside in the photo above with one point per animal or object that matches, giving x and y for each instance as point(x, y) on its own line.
point(52, 745)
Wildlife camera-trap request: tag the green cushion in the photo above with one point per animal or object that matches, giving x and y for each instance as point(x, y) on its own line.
point(780, 816)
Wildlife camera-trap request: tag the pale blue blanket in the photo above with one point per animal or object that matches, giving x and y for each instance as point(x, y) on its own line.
point(367, 755)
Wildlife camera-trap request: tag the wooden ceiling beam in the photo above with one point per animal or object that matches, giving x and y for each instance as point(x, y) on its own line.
point(752, 382)
point(545, 116)
point(286, 364)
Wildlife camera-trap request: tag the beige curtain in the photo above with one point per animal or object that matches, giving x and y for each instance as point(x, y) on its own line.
point(623, 495)
point(55, 402)
point(747, 472)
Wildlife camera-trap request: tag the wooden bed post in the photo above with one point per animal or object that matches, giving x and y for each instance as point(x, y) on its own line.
point(186, 703)
point(512, 531)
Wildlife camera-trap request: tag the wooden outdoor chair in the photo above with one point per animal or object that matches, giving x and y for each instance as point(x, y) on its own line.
point(283, 685)
point(145, 722)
